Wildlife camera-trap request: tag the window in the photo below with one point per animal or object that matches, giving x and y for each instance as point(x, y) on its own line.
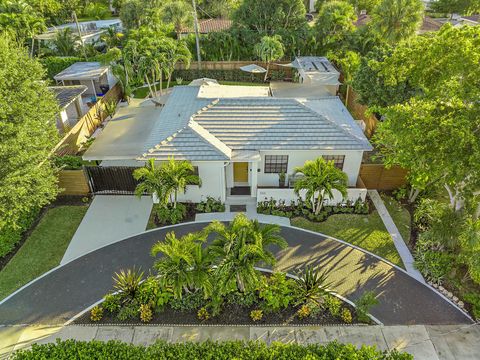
point(337, 160)
point(275, 164)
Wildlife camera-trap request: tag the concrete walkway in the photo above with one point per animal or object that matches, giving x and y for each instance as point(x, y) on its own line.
point(65, 291)
point(110, 218)
point(423, 342)
point(400, 244)
point(228, 216)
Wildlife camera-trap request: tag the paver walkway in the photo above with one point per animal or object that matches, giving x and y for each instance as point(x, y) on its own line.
point(228, 216)
point(423, 342)
point(398, 241)
point(64, 292)
point(109, 218)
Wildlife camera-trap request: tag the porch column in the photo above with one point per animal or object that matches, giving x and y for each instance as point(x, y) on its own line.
point(253, 178)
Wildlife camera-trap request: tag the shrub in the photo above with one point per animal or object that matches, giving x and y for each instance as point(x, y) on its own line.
point(333, 305)
point(304, 311)
point(168, 215)
point(474, 300)
point(435, 265)
point(96, 313)
point(96, 11)
point(276, 291)
point(203, 314)
point(146, 313)
point(56, 64)
point(10, 236)
point(128, 311)
point(256, 315)
point(128, 282)
point(68, 162)
point(188, 302)
point(151, 293)
point(210, 205)
point(243, 299)
point(112, 302)
point(346, 316)
point(311, 286)
point(73, 349)
point(364, 304)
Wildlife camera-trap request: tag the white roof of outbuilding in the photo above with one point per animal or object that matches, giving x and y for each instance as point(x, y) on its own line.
point(82, 71)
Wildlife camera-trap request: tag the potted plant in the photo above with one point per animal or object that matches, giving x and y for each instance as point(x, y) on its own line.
point(281, 179)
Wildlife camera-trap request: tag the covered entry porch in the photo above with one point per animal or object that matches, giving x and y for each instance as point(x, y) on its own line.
point(242, 173)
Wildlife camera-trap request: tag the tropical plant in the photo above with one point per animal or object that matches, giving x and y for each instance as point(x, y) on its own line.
point(256, 315)
point(96, 10)
point(19, 19)
point(66, 42)
point(238, 247)
point(150, 180)
point(167, 214)
point(364, 304)
point(269, 49)
point(333, 305)
point(178, 13)
point(210, 205)
point(346, 316)
point(203, 314)
point(110, 108)
point(112, 302)
point(146, 313)
point(304, 312)
point(96, 313)
point(319, 180)
point(311, 286)
point(128, 282)
point(177, 174)
point(185, 264)
point(276, 291)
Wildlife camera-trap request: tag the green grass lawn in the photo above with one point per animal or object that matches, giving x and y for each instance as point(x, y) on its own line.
point(43, 249)
point(400, 216)
point(365, 231)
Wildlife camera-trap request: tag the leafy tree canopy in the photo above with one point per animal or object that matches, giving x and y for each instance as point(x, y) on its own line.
point(268, 16)
point(464, 7)
point(27, 135)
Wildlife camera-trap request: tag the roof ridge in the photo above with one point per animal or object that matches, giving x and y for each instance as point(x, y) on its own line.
point(353, 136)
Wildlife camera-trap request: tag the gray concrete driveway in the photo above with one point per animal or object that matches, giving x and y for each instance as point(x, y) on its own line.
point(66, 291)
point(109, 218)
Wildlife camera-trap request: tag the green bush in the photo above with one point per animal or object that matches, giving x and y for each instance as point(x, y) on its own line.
point(112, 302)
point(225, 75)
point(333, 305)
point(210, 205)
point(276, 291)
point(435, 265)
point(9, 236)
point(152, 294)
point(474, 300)
point(72, 349)
point(364, 304)
point(243, 299)
point(68, 162)
point(168, 215)
point(56, 64)
point(188, 302)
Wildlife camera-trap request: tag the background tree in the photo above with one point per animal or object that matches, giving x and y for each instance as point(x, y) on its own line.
point(27, 121)
point(269, 49)
point(395, 20)
point(368, 5)
point(268, 16)
point(464, 7)
point(319, 179)
point(334, 25)
point(178, 13)
point(66, 43)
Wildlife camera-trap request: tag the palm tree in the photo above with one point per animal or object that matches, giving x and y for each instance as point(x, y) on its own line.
point(319, 179)
point(269, 49)
point(238, 247)
point(176, 175)
point(151, 181)
point(66, 42)
point(177, 52)
point(185, 265)
point(178, 13)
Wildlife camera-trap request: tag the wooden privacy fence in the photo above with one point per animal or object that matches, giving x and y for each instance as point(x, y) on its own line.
point(111, 180)
point(233, 65)
point(359, 112)
point(73, 182)
point(86, 126)
point(376, 176)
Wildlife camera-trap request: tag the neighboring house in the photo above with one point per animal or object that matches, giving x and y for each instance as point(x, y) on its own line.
point(96, 77)
point(206, 26)
point(317, 71)
point(458, 20)
point(69, 99)
point(429, 24)
point(238, 138)
point(90, 31)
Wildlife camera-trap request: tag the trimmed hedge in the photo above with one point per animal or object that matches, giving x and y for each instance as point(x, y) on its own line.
point(9, 236)
point(56, 64)
point(72, 349)
point(226, 75)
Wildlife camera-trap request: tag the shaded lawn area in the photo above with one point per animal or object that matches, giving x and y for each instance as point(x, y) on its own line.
point(364, 231)
point(43, 249)
point(400, 216)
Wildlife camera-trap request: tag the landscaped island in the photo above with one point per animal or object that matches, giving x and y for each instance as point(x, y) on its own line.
point(211, 277)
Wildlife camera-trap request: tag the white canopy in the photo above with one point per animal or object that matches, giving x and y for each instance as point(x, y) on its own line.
point(253, 68)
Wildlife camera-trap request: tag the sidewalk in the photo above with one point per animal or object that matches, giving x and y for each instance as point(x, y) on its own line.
point(400, 245)
point(450, 342)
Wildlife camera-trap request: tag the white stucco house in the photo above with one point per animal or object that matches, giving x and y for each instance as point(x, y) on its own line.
point(72, 108)
point(238, 138)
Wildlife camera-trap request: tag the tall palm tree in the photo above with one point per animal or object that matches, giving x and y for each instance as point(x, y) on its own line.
point(238, 247)
point(176, 176)
point(175, 53)
point(178, 13)
point(66, 42)
point(185, 265)
point(319, 179)
point(269, 49)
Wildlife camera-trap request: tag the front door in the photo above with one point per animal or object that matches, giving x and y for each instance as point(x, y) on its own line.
point(240, 172)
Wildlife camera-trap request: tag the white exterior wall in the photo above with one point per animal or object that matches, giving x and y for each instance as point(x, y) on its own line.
point(213, 183)
point(289, 195)
point(296, 158)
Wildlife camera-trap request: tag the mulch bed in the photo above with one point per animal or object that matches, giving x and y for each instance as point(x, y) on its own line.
point(231, 314)
point(60, 201)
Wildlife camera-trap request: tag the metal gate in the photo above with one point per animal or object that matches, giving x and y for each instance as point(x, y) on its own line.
point(111, 179)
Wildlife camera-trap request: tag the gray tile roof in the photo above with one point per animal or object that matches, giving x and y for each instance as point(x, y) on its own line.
point(66, 94)
point(218, 129)
point(82, 71)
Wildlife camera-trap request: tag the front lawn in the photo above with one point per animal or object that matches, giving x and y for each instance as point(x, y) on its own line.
point(43, 249)
point(365, 231)
point(400, 215)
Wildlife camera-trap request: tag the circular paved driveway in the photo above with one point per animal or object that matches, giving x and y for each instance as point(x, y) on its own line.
point(67, 290)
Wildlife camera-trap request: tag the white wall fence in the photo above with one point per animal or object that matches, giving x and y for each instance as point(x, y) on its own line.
point(288, 195)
